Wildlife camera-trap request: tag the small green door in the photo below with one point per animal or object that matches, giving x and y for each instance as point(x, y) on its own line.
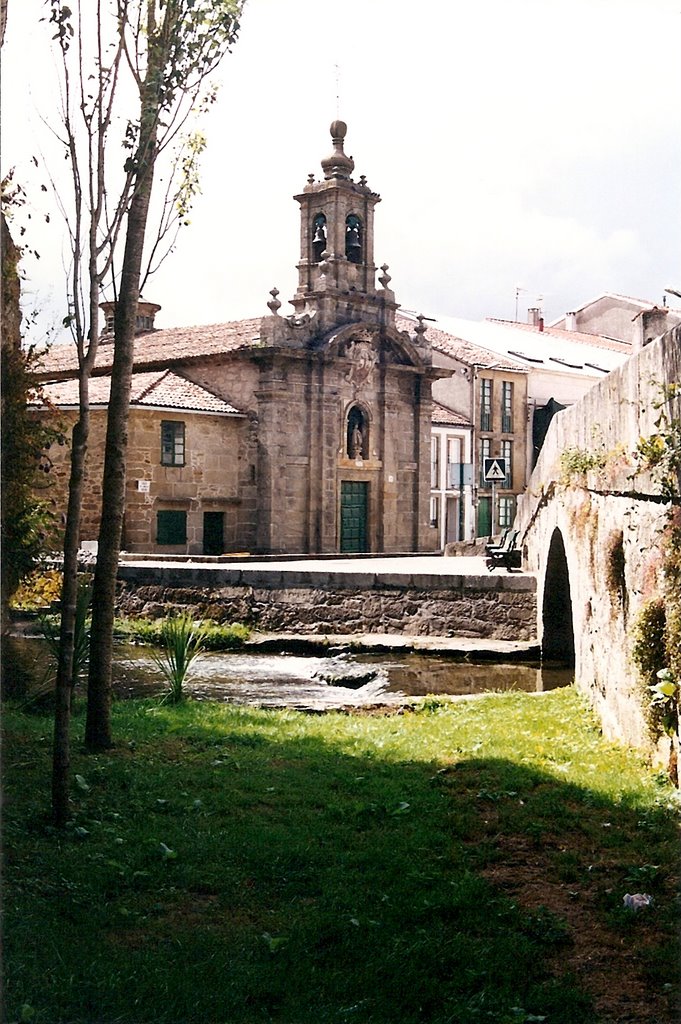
point(213, 533)
point(484, 517)
point(353, 512)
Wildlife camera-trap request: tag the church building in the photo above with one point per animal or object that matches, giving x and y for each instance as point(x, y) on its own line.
point(287, 434)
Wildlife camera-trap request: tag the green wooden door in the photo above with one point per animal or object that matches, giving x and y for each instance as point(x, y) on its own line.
point(213, 533)
point(484, 517)
point(354, 510)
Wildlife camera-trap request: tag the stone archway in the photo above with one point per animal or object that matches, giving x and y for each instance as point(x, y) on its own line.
point(558, 636)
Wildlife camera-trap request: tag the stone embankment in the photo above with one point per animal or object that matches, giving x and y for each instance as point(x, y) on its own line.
point(305, 601)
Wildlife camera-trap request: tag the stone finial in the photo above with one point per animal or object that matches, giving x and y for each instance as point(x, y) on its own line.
point(338, 165)
point(310, 179)
point(324, 264)
point(363, 180)
point(274, 304)
point(421, 328)
point(385, 277)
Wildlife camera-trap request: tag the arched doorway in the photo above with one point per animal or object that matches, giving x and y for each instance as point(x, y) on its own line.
point(558, 637)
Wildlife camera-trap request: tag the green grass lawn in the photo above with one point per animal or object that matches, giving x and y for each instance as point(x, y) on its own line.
point(462, 863)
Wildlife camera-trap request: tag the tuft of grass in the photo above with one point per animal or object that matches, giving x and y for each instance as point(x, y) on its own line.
point(230, 864)
point(181, 643)
point(50, 626)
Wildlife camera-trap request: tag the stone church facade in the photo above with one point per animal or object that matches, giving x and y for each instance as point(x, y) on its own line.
point(322, 419)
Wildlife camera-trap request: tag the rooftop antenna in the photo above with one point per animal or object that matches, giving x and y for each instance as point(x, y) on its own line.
point(338, 75)
point(518, 289)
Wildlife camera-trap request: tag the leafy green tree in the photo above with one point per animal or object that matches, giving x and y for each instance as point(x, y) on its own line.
point(28, 519)
point(27, 512)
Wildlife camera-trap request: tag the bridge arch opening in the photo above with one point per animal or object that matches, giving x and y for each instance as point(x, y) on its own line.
point(558, 635)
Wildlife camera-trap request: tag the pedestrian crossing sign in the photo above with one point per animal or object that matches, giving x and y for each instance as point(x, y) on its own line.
point(494, 470)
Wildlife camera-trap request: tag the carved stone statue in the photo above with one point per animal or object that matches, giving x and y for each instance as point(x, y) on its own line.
point(356, 442)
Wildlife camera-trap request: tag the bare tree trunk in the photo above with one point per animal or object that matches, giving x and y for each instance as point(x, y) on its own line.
point(63, 686)
point(98, 734)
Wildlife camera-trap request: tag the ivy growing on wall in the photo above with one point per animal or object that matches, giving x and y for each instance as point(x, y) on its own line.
point(657, 636)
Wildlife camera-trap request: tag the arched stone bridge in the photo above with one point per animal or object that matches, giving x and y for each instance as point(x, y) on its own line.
point(591, 526)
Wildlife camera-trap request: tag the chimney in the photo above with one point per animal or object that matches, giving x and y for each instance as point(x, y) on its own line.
point(146, 312)
point(540, 324)
point(652, 323)
point(570, 321)
point(533, 316)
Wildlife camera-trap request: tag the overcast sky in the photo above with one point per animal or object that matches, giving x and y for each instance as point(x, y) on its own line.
point(530, 143)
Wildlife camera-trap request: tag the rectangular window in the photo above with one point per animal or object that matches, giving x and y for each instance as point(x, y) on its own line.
point(453, 459)
point(485, 453)
point(506, 407)
point(507, 453)
point(171, 527)
point(485, 404)
point(506, 512)
point(435, 461)
point(172, 443)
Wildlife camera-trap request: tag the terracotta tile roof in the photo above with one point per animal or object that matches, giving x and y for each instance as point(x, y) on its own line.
point(579, 337)
point(160, 390)
point(459, 348)
point(447, 417)
point(157, 349)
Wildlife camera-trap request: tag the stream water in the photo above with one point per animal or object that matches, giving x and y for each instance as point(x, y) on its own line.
point(291, 680)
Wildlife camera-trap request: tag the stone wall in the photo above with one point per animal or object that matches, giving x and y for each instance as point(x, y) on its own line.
point(611, 517)
point(218, 475)
point(491, 608)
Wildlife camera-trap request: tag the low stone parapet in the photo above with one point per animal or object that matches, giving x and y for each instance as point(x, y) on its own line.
point(500, 607)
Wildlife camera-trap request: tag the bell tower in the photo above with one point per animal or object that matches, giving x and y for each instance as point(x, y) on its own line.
point(336, 272)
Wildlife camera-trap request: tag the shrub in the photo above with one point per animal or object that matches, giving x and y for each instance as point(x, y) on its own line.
point(38, 591)
point(578, 461)
point(216, 636)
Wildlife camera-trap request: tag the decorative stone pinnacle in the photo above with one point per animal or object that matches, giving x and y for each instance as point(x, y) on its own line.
point(421, 328)
point(310, 179)
point(274, 304)
point(339, 164)
point(363, 180)
point(385, 277)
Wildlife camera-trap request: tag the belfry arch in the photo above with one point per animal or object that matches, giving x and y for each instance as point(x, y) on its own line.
point(558, 636)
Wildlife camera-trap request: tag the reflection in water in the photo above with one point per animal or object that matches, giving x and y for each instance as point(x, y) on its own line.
point(277, 680)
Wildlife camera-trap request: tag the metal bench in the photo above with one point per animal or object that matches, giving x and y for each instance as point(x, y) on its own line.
point(506, 554)
point(495, 547)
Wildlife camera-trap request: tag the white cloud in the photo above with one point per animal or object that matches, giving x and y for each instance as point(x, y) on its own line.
point(500, 136)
